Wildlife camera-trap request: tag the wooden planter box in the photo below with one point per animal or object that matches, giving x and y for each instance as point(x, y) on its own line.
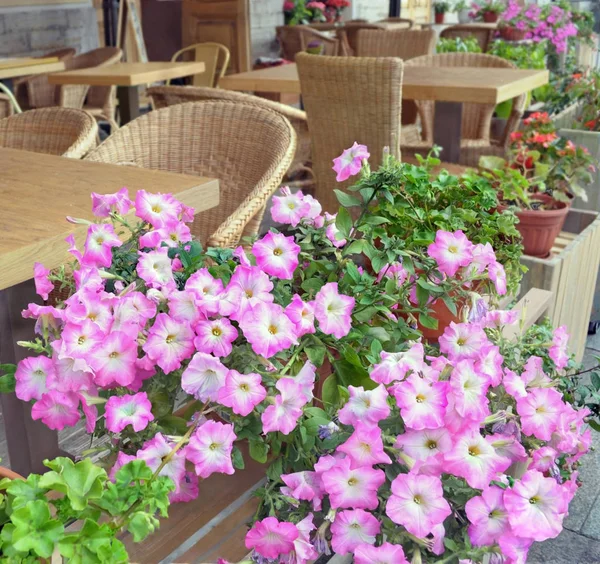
point(570, 273)
point(566, 117)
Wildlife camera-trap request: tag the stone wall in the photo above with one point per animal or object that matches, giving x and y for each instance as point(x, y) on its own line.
point(35, 30)
point(371, 10)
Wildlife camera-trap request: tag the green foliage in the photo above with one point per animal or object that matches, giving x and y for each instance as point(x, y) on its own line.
point(525, 56)
point(458, 45)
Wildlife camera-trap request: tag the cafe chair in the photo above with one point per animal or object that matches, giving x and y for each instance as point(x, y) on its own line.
point(247, 147)
point(476, 118)
point(482, 34)
point(348, 35)
point(408, 22)
point(215, 58)
point(294, 39)
point(63, 132)
point(6, 106)
point(318, 43)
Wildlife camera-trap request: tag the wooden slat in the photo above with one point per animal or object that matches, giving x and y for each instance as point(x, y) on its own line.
point(531, 307)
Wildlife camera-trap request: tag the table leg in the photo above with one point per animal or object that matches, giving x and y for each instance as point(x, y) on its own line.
point(447, 129)
point(129, 103)
point(29, 442)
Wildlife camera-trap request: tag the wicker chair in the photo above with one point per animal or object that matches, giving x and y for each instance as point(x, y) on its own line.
point(348, 36)
point(6, 107)
point(56, 131)
point(248, 148)
point(215, 57)
point(349, 99)
point(482, 34)
point(476, 118)
point(318, 43)
point(410, 23)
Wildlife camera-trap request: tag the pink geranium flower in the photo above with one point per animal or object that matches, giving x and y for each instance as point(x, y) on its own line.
point(558, 351)
point(283, 415)
point(204, 377)
point(277, 255)
point(488, 517)
point(333, 310)
point(268, 329)
point(104, 204)
point(271, 538)
point(365, 446)
point(385, 554)
point(32, 376)
point(539, 411)
point(289, 209)
point(210, 448)
point(349, 162)
point(208, 290)
point(169, 342)
point(417, 503)
point(353, 488)
point(153, 454)
point(353, 528)
point(536, 507)
point(462, 340)
point(215, 336)
point(302, 315)
point(451, 251)
point(57, 410)
point(469, 388)
point(156, 209)
point(421, 445)
point(368, 406)
point(134, 410)
point(156, 269)
point(242, 392)
point(395, 366)
point(101, 238)
point(43, 286)
point(113, 361)
point(422, 404)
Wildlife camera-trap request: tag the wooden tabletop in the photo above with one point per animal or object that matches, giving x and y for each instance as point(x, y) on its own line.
point(38, 191)
point(21, 66)
point(128, 74)
point(444, 84)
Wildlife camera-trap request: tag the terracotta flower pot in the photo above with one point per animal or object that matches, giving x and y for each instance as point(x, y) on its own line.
point(6, 473)
point(439, 18)
point(444, 317)
point(539, 228)
point(490, 17)
point(512, 33)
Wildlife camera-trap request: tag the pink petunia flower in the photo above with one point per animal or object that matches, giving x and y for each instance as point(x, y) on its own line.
point(48, 318)
point(79, 339)
point(332, 232)
point(156, 209)
point(488, 517)
point(333, 310)
point(451, 251)
point(208, 290)
point(188, 489)
point(422, 404)
point(43, 286)
point(539, 411)
point(489, 363)
point(277, 255)
point(154, 452)
point(417, 503)
point(462, 340)
point(353, 488)
point(349, 162)
point(101, 238)
point(173, 234)
point(210, 448)
point(248, 287)
point(469, 388)
point(32, 377)
point(204, 377)
point(122, 459)
point(424, 444)
point(289, 209)
point(134, 410)
point(113, 360)
point(104, 204)
point(156, 269)
point(353, 528)
point(183, 306)
point(302, 315)
point(267, 329)
point(70, 375)
point(496, 319)
point(283, 415)
point(169, 342)
point(303, 486)
point(215, 336)
point(242, 392)
point(271, 538)
point(544, 459)
point(365, 446)
point(498, 277)
point(304, 550)
point(385, 554)
point(558, 352)
point(368, 406)
point(395, 366)
point(57, 410)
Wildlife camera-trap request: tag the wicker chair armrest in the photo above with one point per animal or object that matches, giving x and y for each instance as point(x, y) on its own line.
point(73, 95)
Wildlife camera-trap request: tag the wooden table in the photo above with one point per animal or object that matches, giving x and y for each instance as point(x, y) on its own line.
point(128, 77)
point(448, 87)
point(24, 66)
point(37, 192)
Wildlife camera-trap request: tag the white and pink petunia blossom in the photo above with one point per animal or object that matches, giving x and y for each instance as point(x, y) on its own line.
point(32, 377)
point(365, 446)
point(303, 486)
point(105, 204)
point(514, 384)
point(352, 528)
point(156, 269)
point(424, 444)
point(183, 306)
point(508, 446)
point(544, 459)
point(283, 415)
point(514, 548)
point(497, 275)
point(48, 318)
point(169, 342)
point(462, 340)
point(113, 360)
point(268, 329)
point(70, 375)
point(417, 503)
point(488, 517)
point(332, 232)
point(134, 308)
point(536, 506)
point(534, 376)
point(395, 366)
point(306, 380)
point(353, 488)
point(122, 459)
point(451, 251)
point(289, 209)
point(350, 161)
point(277, 255)
point(90, 305)
point(208, 290)
point(173, 234)
point(422, 404)
point(43, 286)
point(304, 551)
point(333, 310)
point(475, 460)
point(188, 489)
point(204, 377)
point(210, 448)
point(134, 410)
point(248, 287)
point(156, 209)
point(385, 554)
point(271, 538)
point(215, 336)
point(101, 238)
point(368, 406)
point(540, 410)
point(489, 363)
point(469, 388)
point(302, 315)
point(497, 318)
point(78, 339)
point(242, 392)
point(558, 352)
point(57, 410)
point(483, 256)
point(154, 452)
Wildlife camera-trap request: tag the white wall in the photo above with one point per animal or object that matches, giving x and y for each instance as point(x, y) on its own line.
point(371, 10)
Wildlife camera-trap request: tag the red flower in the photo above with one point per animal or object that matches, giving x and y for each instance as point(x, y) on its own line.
point(590, 124)
point(515, 136)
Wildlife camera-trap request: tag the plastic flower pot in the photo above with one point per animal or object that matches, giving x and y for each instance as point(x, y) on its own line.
point(539, 228)
point(510, 33)
point(439, 18)
point(490, 17)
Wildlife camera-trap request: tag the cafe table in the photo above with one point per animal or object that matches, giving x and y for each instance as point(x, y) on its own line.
point(449, 87)
point(37, 192)
point(128, 77)
point(24, 66)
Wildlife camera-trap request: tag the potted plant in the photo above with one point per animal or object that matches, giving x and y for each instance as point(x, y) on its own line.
point(317, 11)
point(461, 7)
point(513, 25)
point(295, 12)
point(334, 9)
point(440, 8)
point(457, 45)
point(487, 12)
